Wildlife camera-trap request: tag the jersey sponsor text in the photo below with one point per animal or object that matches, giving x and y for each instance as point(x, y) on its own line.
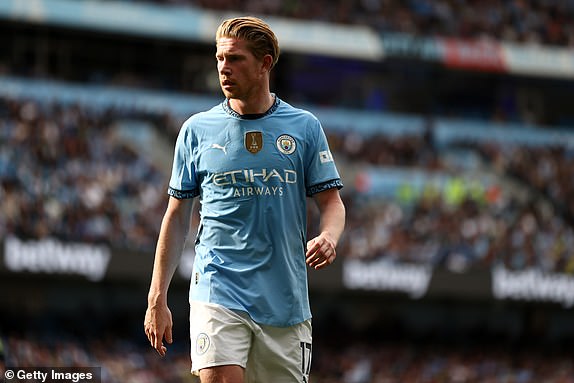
point(234, 177)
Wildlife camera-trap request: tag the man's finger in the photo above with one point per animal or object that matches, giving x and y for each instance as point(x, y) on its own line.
point(158, 345)
point(314, 260)
point(322, 259)
point(313, 243)
point(316, 252)
point(168, 336)
point(326, 262)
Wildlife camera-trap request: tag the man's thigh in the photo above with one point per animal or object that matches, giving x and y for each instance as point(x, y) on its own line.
point(222, 374)
point(219, 337)
point(280, 354)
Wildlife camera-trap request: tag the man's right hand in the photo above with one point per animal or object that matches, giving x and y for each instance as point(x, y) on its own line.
point(158, 324)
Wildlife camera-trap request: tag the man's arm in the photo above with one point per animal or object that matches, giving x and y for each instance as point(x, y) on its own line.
point(174, 228)
point(321, 249)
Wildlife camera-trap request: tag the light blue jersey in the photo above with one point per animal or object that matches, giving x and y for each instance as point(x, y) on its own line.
point(252, 174)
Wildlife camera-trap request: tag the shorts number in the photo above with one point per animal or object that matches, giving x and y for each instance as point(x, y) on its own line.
point(305, 360)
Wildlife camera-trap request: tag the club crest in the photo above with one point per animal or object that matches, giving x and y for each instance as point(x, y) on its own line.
point(286, 144)
point(202, 344)
point(253, 141)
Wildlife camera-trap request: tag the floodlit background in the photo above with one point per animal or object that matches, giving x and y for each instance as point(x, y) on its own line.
point(452, 123)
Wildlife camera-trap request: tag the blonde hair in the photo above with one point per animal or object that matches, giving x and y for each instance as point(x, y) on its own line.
point(259, 36)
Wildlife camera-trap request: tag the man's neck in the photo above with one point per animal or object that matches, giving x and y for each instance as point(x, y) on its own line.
point(253, 106)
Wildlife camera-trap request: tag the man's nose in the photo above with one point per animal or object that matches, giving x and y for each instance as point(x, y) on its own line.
point(223, 67)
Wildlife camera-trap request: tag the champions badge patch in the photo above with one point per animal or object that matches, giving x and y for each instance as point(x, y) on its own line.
point(253, 141)
point(286, 144)
point(202, 344)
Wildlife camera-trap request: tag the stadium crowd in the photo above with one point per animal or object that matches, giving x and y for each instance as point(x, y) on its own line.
point(547, 169)
point(120, 360)
point(525, 21)
point(461, 224)
point(65, 174)
point(432, 231)
point(124, 360)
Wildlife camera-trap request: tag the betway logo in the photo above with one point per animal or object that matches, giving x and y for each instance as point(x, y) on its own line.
point(533, 285)
point(233, 177)
point(383, 275)
point(54, 257)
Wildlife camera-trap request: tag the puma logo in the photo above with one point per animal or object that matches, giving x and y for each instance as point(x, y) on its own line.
point(222, 148)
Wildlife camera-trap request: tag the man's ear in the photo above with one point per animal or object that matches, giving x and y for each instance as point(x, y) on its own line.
point(267, 63)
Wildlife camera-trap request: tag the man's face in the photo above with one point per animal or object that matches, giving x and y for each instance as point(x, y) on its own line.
point(241, 74)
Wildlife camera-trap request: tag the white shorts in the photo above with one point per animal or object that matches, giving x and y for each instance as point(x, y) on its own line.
point(220, 336)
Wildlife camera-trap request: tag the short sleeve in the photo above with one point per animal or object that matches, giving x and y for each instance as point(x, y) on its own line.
point(183, 182)
point(321, 171)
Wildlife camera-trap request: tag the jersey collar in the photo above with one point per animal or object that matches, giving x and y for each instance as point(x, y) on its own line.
point(251, 116)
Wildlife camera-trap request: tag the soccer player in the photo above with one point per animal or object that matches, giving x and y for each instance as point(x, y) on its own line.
point(252, 160)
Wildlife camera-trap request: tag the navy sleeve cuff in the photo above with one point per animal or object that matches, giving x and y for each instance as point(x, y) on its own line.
point(182, 194)
point(324, 186)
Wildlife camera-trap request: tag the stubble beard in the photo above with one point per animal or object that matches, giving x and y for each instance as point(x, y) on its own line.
point(230, 94)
